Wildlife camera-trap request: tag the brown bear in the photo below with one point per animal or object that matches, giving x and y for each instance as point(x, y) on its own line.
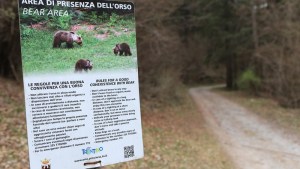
point(122, 48)
point(66, 36)
point(83, 64)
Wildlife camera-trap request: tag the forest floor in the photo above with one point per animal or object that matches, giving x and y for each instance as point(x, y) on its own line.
point(251, 140)
point(174, 135)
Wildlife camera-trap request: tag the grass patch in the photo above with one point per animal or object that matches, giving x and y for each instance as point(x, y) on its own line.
point(288, 119)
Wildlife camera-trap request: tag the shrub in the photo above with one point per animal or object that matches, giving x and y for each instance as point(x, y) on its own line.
point(93, 18)
point(249, 81)
point(26, 32)
point(62, 22)
point(113, 20)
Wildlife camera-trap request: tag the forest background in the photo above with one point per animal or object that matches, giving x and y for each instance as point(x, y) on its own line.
point(241, 42)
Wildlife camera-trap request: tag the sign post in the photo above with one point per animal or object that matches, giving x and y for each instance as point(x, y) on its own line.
point(80, 82)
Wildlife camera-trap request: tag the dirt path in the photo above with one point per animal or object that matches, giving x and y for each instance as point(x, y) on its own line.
point(249, 141)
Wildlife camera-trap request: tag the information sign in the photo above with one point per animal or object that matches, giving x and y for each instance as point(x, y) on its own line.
point(81, 83)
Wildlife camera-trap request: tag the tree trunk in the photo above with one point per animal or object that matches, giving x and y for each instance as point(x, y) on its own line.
point(229, 54)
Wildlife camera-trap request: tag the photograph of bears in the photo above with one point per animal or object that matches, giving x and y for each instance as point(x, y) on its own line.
point(84, 41)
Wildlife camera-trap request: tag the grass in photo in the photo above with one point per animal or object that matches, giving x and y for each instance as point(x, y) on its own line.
point(98, 35)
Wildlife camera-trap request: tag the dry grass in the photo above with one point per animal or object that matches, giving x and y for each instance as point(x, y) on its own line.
point(174, 136)
point(288, 119)
point(13, 139)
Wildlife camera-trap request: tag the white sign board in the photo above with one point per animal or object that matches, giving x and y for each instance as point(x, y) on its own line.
point(80, 82)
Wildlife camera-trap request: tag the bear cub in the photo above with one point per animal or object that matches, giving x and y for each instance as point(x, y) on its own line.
point(122, 48)
point(83, 64)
